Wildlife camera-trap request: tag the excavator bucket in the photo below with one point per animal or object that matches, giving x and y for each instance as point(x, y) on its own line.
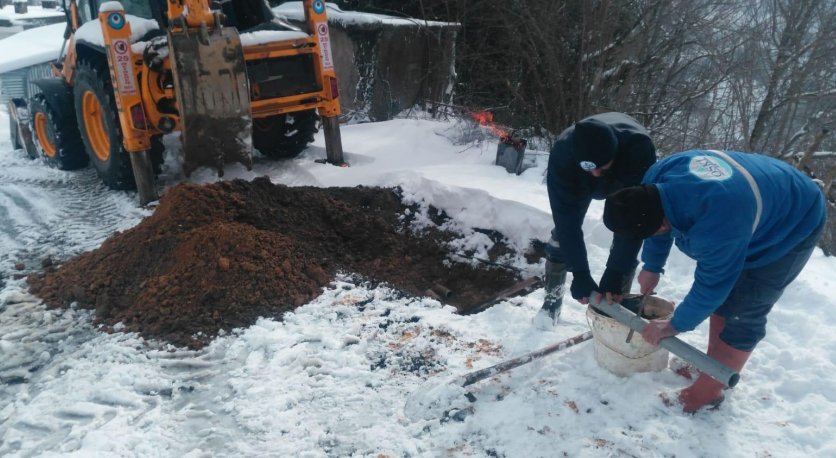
point(210, 82)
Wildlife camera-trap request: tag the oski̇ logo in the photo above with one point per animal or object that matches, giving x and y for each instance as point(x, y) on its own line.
point(710, 168)
point(319, 6)
point(115, 21)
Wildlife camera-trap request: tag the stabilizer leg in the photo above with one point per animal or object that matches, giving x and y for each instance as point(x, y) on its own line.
point(144, 177)
point(333, 140)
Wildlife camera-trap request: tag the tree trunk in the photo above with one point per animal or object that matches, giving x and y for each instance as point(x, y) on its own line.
point(814, 146)
point(828, 183)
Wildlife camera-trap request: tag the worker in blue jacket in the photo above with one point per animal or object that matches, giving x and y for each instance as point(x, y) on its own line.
point(591, 159)
point(750, 221)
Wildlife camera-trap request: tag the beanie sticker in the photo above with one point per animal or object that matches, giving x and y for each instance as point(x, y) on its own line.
point(710, 168)
point(588, 166)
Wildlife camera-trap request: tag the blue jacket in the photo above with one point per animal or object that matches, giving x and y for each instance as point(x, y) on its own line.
point(712, 209)
point(571, 189)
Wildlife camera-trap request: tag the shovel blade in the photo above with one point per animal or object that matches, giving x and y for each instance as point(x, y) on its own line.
point(520, 288)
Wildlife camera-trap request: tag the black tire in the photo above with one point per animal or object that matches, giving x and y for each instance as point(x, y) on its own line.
point(55, 134)
point(284, 136)
point(110, 159)
point(157, 153)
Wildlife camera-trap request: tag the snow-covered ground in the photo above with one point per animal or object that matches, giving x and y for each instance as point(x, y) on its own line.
point(333, 377)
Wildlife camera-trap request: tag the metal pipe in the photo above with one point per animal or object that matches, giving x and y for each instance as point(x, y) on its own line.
point(485, 261)
point(475, 376)
point(442, 291)
point(700, 360)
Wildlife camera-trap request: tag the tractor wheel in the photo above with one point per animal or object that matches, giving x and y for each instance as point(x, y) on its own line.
point(100, 129)
point(284, 136)
point(56, 134)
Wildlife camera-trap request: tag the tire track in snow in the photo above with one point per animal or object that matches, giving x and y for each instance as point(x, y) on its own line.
point(47, 212)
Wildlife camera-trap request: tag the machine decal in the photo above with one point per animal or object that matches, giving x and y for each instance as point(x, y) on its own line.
point(324, 45)
point(122, 63)
point(116, 21)
point(319, 6)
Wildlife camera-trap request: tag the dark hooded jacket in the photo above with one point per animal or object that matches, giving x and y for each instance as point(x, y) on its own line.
point(571, 189)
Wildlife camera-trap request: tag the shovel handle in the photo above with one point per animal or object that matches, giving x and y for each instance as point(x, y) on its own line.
point(704, 363)
point(639, 314)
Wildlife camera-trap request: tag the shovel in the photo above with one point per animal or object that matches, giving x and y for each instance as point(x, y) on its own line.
point(448, 399)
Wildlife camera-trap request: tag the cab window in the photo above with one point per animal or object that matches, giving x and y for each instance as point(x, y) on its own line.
point(141, 8)
point(84, 12)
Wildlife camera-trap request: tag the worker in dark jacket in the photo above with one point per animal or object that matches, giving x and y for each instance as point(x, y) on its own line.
point(595, 157)
point(751, 223)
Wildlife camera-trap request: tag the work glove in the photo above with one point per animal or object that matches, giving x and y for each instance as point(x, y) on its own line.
point(611, 282)
point(582, 285)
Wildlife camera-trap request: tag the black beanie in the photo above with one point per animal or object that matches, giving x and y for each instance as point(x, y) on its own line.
point(634, 212)
point(595, 144)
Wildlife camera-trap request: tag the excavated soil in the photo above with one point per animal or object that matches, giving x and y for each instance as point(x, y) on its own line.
point(219, 256)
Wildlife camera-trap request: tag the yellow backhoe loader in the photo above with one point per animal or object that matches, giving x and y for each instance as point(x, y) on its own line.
point(229, 76)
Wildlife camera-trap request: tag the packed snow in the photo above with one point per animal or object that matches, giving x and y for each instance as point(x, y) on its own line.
point(91, 31)
point(335, 376)
point(32, 12)
point(31, 47)
point(261, 37)
point(295, 11)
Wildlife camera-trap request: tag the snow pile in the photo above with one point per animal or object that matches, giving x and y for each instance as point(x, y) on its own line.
point(91, 31)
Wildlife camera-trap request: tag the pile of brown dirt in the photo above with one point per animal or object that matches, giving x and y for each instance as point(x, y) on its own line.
point(219, 256)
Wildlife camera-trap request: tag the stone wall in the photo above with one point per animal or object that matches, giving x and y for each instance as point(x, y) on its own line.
point(386, 71)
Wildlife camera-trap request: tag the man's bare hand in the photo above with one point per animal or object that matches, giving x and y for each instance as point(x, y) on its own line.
point(610, 298)
point(657, 330)
point(648, 281)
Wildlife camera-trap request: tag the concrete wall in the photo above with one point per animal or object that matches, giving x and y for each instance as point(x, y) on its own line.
point(387, 70)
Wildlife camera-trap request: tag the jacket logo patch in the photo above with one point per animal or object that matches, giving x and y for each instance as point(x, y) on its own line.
point(710, 168)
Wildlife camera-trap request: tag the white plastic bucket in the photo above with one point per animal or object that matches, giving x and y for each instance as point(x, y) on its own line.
point(613, 353)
